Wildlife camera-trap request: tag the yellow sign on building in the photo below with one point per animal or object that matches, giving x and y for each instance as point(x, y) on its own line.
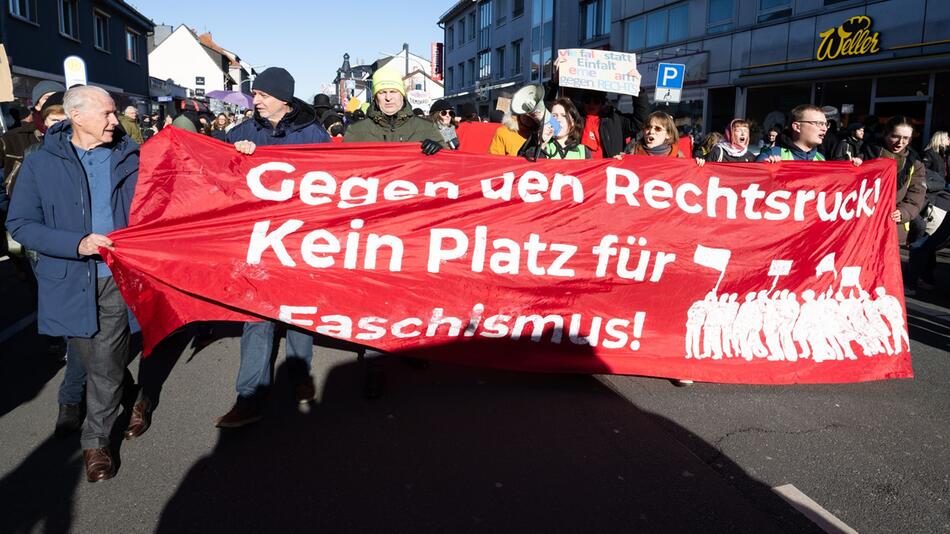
point(852, 38)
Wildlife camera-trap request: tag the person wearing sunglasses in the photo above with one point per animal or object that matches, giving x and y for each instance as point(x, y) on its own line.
point(443, 116)
point(659, 138)
point(800, 142)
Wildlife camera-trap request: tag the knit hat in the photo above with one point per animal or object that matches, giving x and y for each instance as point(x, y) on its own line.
point(46, 86)
point(440, 105)
point(276, 82)
point(388, 79)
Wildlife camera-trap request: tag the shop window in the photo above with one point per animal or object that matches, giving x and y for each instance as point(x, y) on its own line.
point(941, 103)
point(774, 9)
point(906, 85)
point(852, 98)
point(720, 16)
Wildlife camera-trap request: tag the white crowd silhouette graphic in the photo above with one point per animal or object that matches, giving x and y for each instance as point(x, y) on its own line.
point(781, 326)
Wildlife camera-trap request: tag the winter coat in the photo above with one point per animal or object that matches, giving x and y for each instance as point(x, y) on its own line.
point(507, 140)
point(847, 148)
point(132, 128)
point(911, 184)
point(15, 142)
point(786, 149)
point(299, 127)
point(719, 154)
point(403, 127)
point(615, 127)
point(51, 213)
point(934, 161)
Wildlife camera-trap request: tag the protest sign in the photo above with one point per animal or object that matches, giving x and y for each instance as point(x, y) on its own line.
point(6, 79)
point(599, 70)
point(646, 266)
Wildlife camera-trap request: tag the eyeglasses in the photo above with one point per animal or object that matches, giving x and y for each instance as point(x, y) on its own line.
point(820, 124)
point(448, 112)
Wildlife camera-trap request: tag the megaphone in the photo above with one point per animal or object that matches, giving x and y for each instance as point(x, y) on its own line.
point(530, 99)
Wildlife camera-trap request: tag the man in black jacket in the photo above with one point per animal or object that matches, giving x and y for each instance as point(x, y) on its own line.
point(606, 130)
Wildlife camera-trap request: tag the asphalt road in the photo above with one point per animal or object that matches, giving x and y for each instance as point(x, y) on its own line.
point(456, 449)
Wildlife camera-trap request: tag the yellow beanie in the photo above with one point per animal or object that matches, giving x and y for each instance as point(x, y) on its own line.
point(388, 79)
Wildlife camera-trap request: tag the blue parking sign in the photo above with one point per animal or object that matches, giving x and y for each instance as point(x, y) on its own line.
point(670, 75)
point(669, 82)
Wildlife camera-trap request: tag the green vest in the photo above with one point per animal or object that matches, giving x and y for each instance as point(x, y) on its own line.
point(786, 154)
point(578, 152)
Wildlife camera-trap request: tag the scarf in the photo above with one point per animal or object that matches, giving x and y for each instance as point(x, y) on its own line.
point(660, 150)
point(736, 151)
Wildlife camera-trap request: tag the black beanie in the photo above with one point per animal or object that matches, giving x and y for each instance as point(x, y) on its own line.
point(276, 82)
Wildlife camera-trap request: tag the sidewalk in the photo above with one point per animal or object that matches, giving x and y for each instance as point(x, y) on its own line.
point(19, 302)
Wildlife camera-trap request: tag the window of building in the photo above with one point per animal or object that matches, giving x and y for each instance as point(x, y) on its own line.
point(470, 75)
point(595, 19)
point(517, 8)
point(501, 12)
point(500, 58)
point(450, 78)
point(449, 37)
point(484, 65)
point(100, 30)
point(516, 59)
point(23, 9)
point(774, 9)
point(634, 34)
point(69, 18)
point(131, 45)
point(657, 28)
point(471, 25)
point(461, 31)
point(484, 24)
point(461, 72)
point(542, 38)
point(721, 16)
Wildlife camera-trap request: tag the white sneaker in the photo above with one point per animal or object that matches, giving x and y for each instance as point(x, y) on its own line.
point(682, 383)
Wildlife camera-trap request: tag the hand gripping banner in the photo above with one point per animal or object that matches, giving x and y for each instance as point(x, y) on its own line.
point(751, 273)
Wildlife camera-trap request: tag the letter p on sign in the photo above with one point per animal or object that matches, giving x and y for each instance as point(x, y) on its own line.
point(670, 75)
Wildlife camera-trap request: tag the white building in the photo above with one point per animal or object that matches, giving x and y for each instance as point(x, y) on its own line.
point(195, 62)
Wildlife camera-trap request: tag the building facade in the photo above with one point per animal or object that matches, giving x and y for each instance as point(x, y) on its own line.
point(109, 35)
point(868, 59)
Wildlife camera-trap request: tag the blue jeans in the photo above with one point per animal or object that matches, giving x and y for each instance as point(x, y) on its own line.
point(257, 342)
point(72, 388)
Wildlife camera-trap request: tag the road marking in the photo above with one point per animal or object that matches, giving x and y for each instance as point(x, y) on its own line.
point(812, 510)
point(16, 327)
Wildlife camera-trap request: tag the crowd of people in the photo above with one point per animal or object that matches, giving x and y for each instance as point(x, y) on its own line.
point(77, 157)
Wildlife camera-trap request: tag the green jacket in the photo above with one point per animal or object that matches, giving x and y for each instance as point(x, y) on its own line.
point(399, 128)
point(131, 128)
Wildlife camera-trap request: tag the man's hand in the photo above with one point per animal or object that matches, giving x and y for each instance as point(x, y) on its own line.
point(896, 216)
point(245, 147)
point(89, 246)
point(430, 147)
point(856, 162)
point(700, 161)
point(773, 159)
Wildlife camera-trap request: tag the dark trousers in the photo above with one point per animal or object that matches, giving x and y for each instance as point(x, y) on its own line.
point(104, 356)
point(923, 259)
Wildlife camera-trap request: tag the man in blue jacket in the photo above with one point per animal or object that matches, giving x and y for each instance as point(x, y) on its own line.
point(279, 119)
point(69, 195)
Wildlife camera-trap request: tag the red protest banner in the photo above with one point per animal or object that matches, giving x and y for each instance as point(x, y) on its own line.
point(751, 273)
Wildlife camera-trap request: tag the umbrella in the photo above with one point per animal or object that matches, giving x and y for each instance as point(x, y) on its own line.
point(233, 97)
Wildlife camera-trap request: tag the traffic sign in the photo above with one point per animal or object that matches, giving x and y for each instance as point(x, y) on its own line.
point(669, 82)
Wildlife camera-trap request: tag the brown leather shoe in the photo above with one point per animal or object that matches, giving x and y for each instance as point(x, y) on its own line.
point(99, 464)
point(244, 412)
point(141, 419)
point(305, 390)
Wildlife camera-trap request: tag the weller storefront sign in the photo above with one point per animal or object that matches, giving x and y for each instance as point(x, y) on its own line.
point(852, 38)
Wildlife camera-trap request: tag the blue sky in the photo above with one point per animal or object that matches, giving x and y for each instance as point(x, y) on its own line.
point(308, 38)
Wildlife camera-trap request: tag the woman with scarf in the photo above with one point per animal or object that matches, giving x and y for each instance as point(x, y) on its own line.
point(911, 174)
point(659, 138)
point(735, 147)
